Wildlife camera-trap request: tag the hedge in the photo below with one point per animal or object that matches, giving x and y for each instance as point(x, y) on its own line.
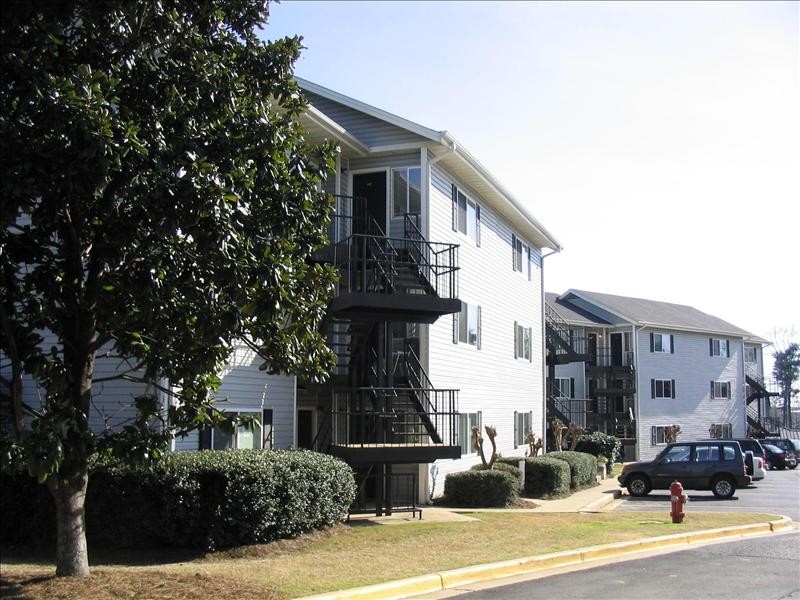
point(598, 443)
point(543, 476)
point(506, 468)
point(208, 500)
point(582, 466)
point(481, 488)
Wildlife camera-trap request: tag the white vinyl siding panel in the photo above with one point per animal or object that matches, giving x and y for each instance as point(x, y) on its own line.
point(490, 379)
point(692, 408)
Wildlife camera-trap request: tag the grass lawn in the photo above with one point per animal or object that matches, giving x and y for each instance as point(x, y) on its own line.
point(344, 556)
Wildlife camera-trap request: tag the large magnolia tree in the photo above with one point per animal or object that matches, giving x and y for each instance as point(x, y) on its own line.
point(158, 203)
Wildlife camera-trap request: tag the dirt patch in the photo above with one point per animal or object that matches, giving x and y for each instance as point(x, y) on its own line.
point(133, 584)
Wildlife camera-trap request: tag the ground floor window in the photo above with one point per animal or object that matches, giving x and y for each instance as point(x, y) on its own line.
point(522, 427)
point(255, 433)
point(720, 431)
point(466, 421)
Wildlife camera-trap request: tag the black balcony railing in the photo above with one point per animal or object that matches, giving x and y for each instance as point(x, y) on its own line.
point(374, 416)
point(370, 263)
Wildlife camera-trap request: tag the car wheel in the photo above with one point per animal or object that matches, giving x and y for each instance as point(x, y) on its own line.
point(638, 485)
point(794, 466)
point(723, 486)
point(768, 466)
point(781, 468)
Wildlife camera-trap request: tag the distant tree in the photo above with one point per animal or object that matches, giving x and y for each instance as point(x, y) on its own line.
point(786, 371)
point(158, 202)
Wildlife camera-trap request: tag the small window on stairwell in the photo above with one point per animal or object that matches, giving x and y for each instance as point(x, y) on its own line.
point(750, 355)
point(565, 386)
point(406, 186)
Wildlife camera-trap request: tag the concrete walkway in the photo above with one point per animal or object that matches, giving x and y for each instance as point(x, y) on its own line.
point(589, 500)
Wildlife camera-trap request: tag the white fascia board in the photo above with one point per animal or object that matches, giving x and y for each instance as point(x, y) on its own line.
point(600, 306)
point(368, 109)
point(322, 120)
point(501, 191)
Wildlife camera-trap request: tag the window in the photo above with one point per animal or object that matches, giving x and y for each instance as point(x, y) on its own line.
point(720, 431)
point(662, 388)
point(522, 427)
point(680, 454)
point(662, 342)
point(720, 389)
point(258, 434)
point(467, 325)
point(522, 342)
point(706, 453)
point(518, 250)
point(750, 355)
point(466, 421)
point(406, 191)
point(718, 347)
point(466, 216)
point(565, 386)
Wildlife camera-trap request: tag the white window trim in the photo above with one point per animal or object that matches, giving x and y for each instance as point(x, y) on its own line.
point(468, 442)
point(718, 384)
point(408, 191)
point(258, 429)
point(654, 390)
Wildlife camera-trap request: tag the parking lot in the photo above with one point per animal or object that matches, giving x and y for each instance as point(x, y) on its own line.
point(777, 493)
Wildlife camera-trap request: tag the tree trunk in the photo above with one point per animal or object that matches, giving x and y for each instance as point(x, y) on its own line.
point(69, 494)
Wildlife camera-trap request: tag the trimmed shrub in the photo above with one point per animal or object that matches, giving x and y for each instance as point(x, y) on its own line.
point(211, 500)
point(582, 466)
point(481, 488)
point(600, 443)
point(544, 476)
point(501, 466)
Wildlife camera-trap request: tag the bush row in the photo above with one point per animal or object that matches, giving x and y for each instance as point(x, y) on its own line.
point(496, 487)
point(582, 466)
point(601, 444)
point(544, 476)
point(206, 499)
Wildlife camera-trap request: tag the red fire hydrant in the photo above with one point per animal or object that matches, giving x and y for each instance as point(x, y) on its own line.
point(678, 501)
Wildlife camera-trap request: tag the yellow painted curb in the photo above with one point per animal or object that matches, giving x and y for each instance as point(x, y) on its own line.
point(726, 532)
point(781, 524)
point(401, 588)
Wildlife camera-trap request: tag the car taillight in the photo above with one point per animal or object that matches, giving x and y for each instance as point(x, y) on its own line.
point(760, 463)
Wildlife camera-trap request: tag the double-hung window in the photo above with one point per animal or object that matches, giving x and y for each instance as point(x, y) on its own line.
point(720, 431)
point(522, 427)
point(466, 215)
point(565, 386)
point(718, 347)
point(720, 389)
point(662, 388)
point(406, 195)
point(466, 421)
point(520, 255)
point(522, 342)
point(467, 325)
point(662, 342)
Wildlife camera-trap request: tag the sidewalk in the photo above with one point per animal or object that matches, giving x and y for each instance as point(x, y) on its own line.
point(592, 499)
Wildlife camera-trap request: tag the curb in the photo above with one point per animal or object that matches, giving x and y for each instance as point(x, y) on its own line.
point(437, 582)
point(605, 499)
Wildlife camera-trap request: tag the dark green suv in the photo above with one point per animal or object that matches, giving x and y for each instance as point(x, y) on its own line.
point(716, 465)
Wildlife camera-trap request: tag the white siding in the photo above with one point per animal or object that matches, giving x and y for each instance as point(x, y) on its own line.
point(490, 380)
point(693, 369)
point(246, 388)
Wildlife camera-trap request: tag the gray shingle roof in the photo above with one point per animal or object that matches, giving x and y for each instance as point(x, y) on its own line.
point(647, 312)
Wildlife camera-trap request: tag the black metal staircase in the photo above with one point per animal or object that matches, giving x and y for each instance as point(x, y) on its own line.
point(383, 409)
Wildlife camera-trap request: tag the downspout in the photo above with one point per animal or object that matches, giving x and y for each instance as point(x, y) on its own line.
point(544, 352)
point(637, 395)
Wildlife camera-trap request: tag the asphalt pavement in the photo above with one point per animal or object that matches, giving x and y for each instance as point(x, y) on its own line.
point(764, 568)
point(778, 494)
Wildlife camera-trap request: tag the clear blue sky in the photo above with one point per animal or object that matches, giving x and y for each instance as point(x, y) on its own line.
point(657, 141)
